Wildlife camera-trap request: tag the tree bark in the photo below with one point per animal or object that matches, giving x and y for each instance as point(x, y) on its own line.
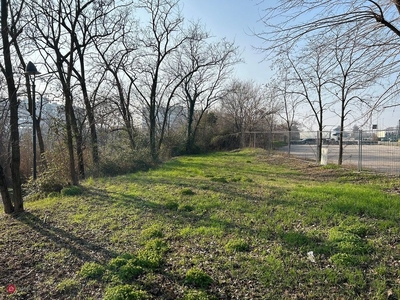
point(70, 144)
point(5, 195)
point(79, 144)
point(12, 94)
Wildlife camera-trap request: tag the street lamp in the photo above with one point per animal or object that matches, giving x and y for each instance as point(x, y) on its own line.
point(31, 70)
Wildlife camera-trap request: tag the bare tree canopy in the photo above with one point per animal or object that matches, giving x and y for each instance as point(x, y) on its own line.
point(292, 24)
point(291, 20)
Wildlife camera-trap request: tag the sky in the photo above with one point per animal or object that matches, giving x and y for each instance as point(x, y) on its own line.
point(234, 20)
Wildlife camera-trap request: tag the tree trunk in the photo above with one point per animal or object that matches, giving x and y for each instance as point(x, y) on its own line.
point(43, 162)
point(12, 94)
point(79, 145)
point(70, 144)
point(190, 135)
point(153, 123)
point(5, 195)
point(152, 135)
point(319, 144)
point(92, 123)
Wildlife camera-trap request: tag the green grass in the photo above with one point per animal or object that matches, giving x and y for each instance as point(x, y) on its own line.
point(210, 227)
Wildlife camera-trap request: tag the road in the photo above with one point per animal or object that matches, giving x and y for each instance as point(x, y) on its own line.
point(380, 158)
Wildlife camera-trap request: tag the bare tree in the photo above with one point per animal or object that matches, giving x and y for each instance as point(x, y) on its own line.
point(93, 23)
point(289, 23)
point(56, 46)
point(245, 107)
point(116, 55)
point(209, 65)
point(160, 44)
point(4, 142)
point(64, 32)
point(310, 76)
point(358, 70)
point(155, 87)
point(285, 22)
point(289, 102)
point(9, 36)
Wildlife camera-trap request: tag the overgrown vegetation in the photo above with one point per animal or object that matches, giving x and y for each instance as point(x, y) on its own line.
point(232, 225)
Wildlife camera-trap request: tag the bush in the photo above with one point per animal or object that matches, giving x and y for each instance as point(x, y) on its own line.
point(225, 142)
point(53, 178)
point(118, 158)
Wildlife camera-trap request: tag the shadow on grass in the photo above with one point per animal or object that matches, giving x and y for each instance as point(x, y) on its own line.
point(298, 240)
point(79, 247)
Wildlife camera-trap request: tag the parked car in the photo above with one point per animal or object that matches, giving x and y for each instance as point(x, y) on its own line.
point(309, 141)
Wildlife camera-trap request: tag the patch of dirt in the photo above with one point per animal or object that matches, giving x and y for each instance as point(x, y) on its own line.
point(37, 253)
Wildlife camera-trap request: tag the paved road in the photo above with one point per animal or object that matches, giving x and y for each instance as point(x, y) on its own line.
point(381, 158)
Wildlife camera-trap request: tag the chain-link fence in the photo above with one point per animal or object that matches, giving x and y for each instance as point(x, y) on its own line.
point(374, 150)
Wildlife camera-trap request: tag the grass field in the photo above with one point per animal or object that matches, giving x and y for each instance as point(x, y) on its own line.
point(234, 225)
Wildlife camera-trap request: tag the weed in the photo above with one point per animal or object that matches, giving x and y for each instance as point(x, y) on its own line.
point(198, 278)
point(90, 181)
point(148, 258)
point(125, 292)
point(331, 167)
point(185, 207)
point(157, 245)
point(124, 268)
point(297, 239)
point(154, 231)
point(345, 259)
point(219, 179)
point(129, 271)
point(119, 261)
point(71, 191)
point(347, 242)
point(171, 205)
point(187, 191)
point(92, 270)
point(67, 285)
point(197, 295)
point(210, 231)
point(237, 245)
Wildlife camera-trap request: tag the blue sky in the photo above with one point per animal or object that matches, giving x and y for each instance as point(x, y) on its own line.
point(234, 20)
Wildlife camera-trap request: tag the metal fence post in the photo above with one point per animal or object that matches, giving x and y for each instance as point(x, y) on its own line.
point(360, 150)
